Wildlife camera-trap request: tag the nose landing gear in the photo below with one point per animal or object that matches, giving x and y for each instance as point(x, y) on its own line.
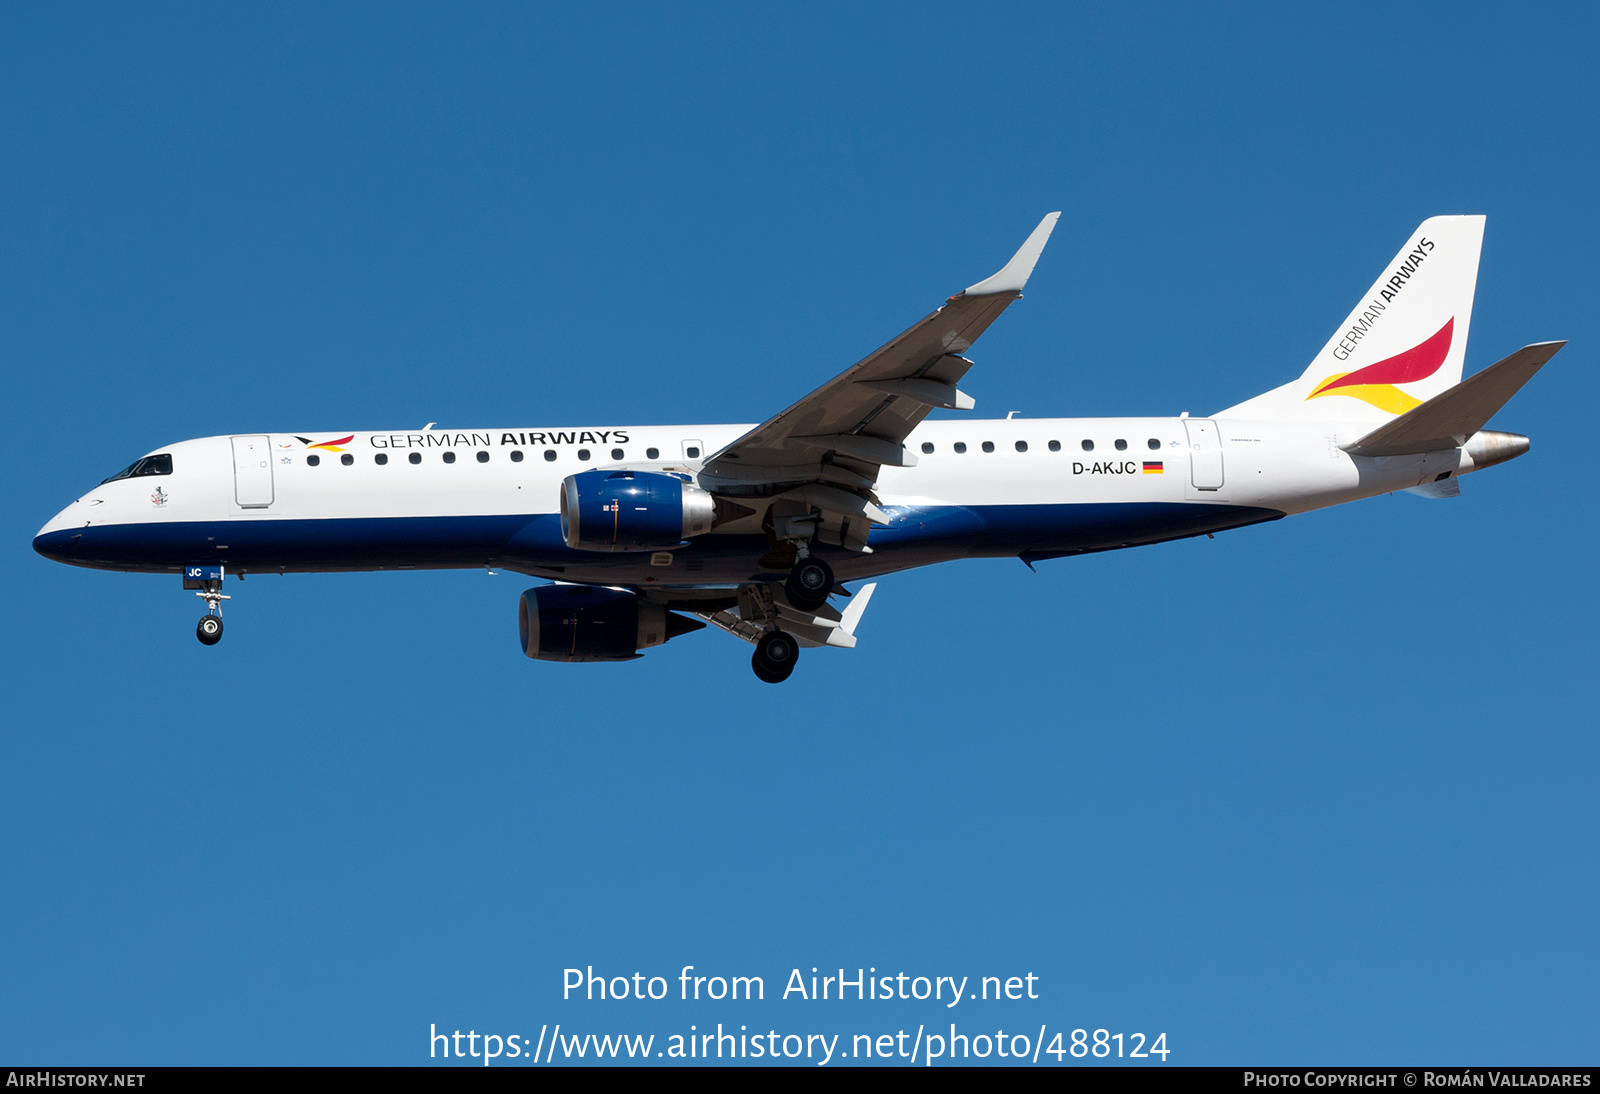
point(206, 580)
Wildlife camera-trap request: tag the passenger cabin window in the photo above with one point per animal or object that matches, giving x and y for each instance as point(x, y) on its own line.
point(988, 446)
point(1055, 446)
point(415, 457)
point(692, 452)
point(483, 457)
point(1155, 445)
point(313, 460)
point(348, 460)
point(652, 453)
point(380, 459)
point(550, 455)
point(150, 465)
point(1022, 446)
point(1122, 445)
point(1088, 446)
point(927, 449)
point(449, 457)
point(616, 453)
point(516, 455)
point(960, 447)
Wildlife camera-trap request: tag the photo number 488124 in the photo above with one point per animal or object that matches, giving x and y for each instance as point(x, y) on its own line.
point(1132, 1045)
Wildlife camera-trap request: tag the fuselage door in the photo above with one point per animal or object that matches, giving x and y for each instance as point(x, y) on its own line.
point(1205, 453)
point(252, 472)
point(692, 450)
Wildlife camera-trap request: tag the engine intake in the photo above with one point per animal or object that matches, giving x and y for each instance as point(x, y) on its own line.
point(589, 623)
point(632, 510)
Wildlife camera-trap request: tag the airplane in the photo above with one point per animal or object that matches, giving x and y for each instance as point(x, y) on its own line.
point(646, 533)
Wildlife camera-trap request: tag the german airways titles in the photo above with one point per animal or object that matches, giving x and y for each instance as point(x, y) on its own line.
point(645, 533)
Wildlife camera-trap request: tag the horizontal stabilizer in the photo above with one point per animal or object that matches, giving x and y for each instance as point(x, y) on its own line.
point(1448, 419)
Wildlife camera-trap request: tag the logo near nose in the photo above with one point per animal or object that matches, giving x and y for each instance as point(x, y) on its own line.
point(327, 446)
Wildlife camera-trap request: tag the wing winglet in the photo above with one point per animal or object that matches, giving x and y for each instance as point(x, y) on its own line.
point(1020, 268)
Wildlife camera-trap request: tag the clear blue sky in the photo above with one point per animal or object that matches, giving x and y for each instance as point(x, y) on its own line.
point(1321, 791)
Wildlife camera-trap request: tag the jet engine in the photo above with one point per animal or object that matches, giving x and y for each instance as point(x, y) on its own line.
point(632, 510)
point(589, 623)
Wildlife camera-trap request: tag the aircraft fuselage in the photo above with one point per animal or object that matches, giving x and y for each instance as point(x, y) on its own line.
point(439, 499)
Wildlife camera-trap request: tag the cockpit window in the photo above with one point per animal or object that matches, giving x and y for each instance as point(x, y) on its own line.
point(150, 465)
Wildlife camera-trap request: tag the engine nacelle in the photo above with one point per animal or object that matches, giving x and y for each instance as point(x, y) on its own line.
point(589, 623)
point(632, 510)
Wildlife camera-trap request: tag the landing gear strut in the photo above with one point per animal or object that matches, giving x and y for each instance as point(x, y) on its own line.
point(775, 656)
point(809, 583)
point(207, 583)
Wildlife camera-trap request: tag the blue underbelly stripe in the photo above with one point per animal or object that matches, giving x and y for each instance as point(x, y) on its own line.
point(522, 541)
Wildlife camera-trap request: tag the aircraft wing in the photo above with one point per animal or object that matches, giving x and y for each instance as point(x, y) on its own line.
point(826, 450)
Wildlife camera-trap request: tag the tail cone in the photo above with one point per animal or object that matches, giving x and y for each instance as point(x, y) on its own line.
point(1488, 447)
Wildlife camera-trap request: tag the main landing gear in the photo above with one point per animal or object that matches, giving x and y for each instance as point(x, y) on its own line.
point(206, 580)
point(809, 583)
point(775, 656)
point(807, 589)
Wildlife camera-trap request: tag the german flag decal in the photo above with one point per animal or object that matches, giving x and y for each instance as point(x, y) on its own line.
point(1154, 467)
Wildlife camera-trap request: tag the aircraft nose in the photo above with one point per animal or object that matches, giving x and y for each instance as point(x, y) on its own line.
point(58, 540)
point(56, 546)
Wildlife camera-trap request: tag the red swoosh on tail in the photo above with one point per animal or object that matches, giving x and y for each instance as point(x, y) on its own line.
point(1417, 363)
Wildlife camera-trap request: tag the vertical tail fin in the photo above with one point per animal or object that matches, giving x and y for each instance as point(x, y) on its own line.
point(1404, 343)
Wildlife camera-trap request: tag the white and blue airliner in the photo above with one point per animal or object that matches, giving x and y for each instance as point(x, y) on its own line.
point(644, 533)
